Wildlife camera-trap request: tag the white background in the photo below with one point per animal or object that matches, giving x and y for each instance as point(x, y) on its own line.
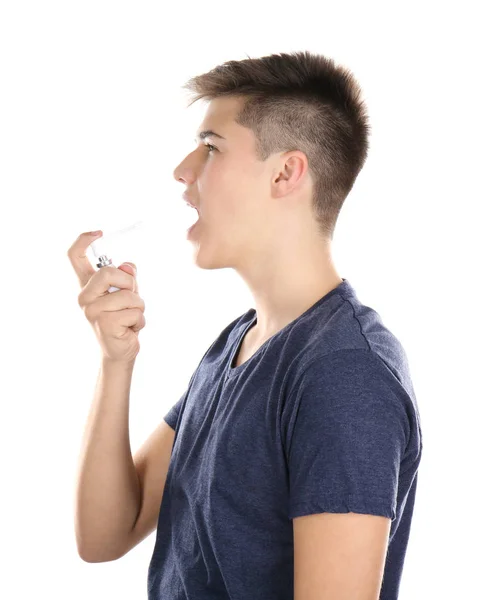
point(92, 124)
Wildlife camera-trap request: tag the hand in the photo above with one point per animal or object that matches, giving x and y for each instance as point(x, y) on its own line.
point(116, 317)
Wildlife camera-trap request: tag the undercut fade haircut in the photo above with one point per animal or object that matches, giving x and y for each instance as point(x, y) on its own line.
point(299, 101)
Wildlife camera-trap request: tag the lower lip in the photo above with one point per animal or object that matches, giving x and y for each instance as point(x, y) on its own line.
point(190, 230)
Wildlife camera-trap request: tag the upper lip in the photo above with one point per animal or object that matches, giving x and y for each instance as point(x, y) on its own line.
point(187, 199)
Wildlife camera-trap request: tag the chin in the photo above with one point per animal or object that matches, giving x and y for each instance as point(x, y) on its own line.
point(205, 264)
point(204, 258)
point(210, 256)
point(206, 261)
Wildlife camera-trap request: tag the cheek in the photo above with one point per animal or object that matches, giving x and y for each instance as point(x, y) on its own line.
point(232, 193)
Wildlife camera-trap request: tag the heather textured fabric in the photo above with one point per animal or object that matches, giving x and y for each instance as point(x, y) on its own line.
point(322, 418)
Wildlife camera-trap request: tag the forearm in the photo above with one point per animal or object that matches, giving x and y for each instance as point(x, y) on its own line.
point(107, 491)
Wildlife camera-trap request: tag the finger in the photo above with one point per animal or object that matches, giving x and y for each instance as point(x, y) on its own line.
point(132, 318)
point(99, 284)
point(132, 270)
point(124, 318)
point(129, 264)
point(116, 302)
point(78, 257)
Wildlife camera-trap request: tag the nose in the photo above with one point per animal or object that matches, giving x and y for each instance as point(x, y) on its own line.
point(182, 171)
point(177, 173)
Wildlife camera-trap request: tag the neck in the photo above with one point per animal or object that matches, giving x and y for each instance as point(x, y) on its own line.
point(286, 286)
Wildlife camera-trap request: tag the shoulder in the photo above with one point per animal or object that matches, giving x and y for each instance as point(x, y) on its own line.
point(345, 367)
point(355, 382)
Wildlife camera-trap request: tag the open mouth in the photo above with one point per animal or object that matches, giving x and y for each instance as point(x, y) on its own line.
point(198, 214)
point(196, 222)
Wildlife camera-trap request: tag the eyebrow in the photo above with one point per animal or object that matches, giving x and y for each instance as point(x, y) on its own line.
point(208, 133)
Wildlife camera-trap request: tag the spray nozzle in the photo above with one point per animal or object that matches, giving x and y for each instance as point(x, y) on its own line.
point(99, 246)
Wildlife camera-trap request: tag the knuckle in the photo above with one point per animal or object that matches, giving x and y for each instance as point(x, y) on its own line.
point(102, 321)
point(136, 300)
point(100, 273)
point(88, 312)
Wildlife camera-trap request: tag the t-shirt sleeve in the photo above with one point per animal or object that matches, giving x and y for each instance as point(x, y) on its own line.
point(171, 417)
point(347, 433)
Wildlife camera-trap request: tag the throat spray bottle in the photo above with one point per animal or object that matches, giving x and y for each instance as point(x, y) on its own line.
point(100, 247)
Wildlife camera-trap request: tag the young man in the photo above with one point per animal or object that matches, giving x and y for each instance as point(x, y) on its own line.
point(293, 471)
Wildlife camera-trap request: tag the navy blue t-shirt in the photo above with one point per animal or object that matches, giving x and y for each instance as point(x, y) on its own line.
point(321, 418)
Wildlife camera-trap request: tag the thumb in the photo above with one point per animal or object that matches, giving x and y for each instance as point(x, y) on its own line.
point(129, 267)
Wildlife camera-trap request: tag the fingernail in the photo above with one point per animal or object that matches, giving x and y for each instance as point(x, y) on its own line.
point(94, 232)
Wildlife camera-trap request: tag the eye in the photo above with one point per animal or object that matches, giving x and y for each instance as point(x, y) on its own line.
point(210, 146)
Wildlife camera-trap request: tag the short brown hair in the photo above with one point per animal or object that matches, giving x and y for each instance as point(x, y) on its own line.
point(299, 101)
